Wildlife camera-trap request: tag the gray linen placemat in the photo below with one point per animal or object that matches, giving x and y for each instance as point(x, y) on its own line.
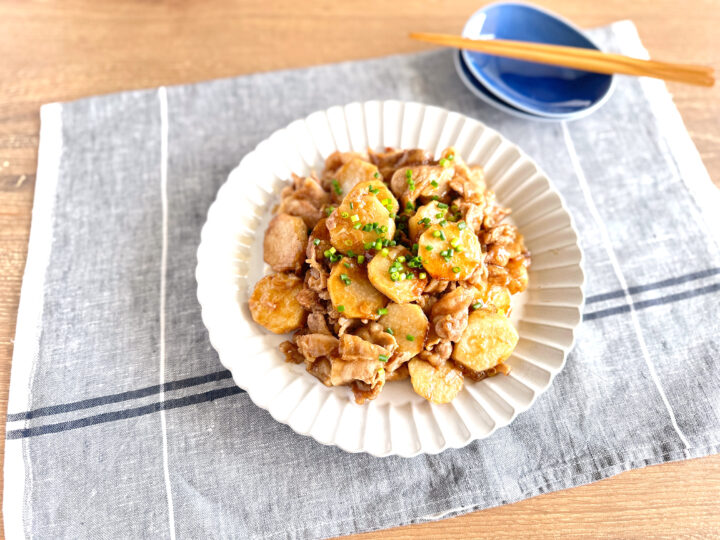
point(98, 448)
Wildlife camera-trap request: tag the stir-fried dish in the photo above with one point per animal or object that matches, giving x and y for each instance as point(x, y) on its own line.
point(393, 265)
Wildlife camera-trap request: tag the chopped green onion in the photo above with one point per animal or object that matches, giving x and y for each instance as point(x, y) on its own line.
point(408, 174)
point(354, 218)
point(410, 338)
point(357, 226)
point(409, 206)
point(361, 259)
point(454, 242)
point(435, 198)
point(385, 202)
point(382, 311)
point(329, 210)
point(394, 276)
point(344, 214)
point(345, 278)
point(384, 252)
point(401, 259)
point(383, 358)
point(316, 241)
point(372, 189)
point(378, 244)
point(444, 162)
point(415, 262)
point(451, 157)
point(350, 253)
point(415, 248)
point(462, 225)
point(390, 331)
point(439, 215)
point(368, 245)
point(377, 174)
point(429, 247)
point(352, 206)
point(477, 305)
point(346, 265)
point(456, 269)
point(341, 308)
point(336, 187)
point(403, 276)
point(442, 234)
point(434, 183)
point(442, 205)
point(437, 234)
point(443, 222)
point(422, 275)
point(460, 249)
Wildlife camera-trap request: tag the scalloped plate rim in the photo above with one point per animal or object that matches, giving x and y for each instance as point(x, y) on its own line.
point(212, 333)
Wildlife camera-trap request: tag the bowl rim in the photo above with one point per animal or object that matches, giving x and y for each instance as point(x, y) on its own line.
point(481, 79)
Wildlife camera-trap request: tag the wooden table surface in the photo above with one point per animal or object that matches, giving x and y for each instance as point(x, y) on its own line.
point(51, 51)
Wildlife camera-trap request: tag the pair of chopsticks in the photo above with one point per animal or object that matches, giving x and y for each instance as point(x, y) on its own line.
point(578, 58)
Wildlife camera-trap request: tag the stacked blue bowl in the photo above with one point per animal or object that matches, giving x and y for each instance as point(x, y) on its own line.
point(527, 89)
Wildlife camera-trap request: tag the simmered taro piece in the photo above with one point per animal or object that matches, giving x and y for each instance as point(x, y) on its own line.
point(274, 304)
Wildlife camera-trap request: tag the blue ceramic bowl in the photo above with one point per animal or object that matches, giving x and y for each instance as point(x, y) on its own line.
point(538, 89)
point(484, 94)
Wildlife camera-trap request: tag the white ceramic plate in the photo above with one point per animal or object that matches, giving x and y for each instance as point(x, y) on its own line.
point(398, 422)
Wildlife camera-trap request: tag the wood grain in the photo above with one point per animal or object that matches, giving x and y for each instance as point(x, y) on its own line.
point(51, 51)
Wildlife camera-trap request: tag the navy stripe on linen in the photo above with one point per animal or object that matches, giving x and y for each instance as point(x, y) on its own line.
point(652, 286)
point(644, 304)
point(233, 390)
point(119, 397)
point(126, 413)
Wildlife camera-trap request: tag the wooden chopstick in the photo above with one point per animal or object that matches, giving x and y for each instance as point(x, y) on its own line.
point(577, 58)
point(575, 51)
point(585, 59)
point(581, 59)
point(609, 57)
point(615, 63)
